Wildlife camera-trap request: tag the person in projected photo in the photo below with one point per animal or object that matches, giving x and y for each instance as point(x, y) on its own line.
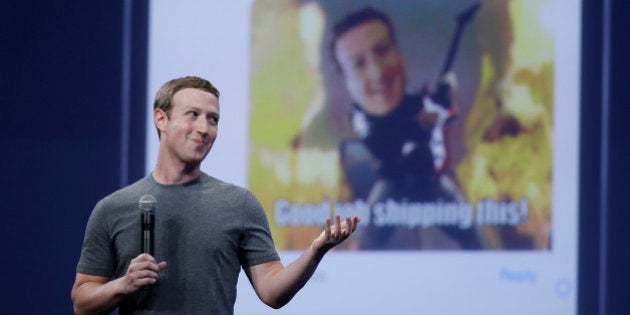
point(396, 130)
point(206, 230)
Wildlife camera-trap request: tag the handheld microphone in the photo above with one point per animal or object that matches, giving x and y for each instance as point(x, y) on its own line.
point(147, 220)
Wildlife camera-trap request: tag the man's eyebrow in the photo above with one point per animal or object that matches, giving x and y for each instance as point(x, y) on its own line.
point(187, 107)
point(195, 107)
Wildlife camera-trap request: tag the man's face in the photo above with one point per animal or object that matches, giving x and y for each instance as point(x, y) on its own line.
point(188, 134)
point(372, 66)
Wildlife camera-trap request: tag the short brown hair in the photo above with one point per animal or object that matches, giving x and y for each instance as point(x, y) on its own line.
point(164, 96)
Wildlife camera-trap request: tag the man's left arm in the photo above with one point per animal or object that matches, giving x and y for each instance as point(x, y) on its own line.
point(276, 284)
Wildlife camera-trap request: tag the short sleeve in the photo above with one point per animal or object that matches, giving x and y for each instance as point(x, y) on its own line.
point(255, 244)
point(97, 252)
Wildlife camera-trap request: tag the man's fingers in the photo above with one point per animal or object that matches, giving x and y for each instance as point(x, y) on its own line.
point(141, 278)
point(145, 274)
point(327, 229)
point(348, 228)
point(161, 266)
point(145, 265)
point(337, 227)
point(356, 223)
point(336, 233)
point(144, 257)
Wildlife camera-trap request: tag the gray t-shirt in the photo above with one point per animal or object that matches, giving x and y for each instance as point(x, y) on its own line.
point(205, 230)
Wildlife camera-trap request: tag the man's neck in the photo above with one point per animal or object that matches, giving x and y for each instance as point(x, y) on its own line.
point(175, 174)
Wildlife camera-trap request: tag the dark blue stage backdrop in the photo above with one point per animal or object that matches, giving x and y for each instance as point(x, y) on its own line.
point(61, 120)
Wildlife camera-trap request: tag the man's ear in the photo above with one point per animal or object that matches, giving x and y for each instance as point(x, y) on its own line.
point(160, 118)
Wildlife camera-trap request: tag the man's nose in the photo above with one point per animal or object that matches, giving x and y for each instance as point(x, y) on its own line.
point(375, 68)
point(202, 126)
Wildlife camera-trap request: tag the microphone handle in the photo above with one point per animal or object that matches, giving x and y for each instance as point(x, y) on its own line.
point(147, 219)
point(148, 227)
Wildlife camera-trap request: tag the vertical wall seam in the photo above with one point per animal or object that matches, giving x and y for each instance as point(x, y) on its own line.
point(603, 203)
point(125, 106)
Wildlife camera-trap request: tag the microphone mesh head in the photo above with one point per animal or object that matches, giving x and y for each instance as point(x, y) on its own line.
point(147, 203)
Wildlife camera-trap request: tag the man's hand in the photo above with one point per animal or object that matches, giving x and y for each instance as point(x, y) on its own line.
point(335, 234)
point(143, 270)
point(276, 285)
point(445, 90)
point(96, 294)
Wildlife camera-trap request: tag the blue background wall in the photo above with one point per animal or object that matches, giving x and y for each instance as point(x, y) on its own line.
point(63, 85)
point(60, 138)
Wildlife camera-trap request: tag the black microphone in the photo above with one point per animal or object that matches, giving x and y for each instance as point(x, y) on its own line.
point(147, 220)
point(147, 223)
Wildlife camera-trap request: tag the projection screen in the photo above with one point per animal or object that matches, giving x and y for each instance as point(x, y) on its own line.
point(501, 234)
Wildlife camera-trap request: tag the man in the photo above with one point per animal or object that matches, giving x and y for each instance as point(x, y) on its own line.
point(397, 129)
point(206, 229)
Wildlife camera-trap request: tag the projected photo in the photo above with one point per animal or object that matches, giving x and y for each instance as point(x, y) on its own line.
point(431, 120)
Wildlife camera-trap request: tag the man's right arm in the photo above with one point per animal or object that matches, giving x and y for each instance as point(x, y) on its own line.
point(97, 295)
